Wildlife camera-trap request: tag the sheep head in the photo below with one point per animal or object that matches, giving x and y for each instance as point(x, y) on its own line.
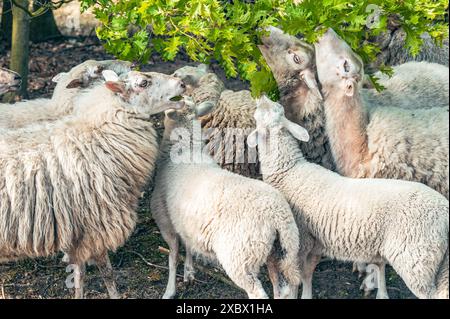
point(82, 75)
point(270, 118)
point(9, 81)
point(289, 57)
point(191, 75)
point(338, 67)
point(148, 92)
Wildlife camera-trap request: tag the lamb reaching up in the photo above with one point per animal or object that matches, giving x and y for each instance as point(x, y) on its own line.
point(386, 142)
point(219, 215)
point(9, 81)
point(404, 224)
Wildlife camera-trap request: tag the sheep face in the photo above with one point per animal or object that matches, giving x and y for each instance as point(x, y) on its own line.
point(184, 117)
point(9, 81)
point(289, 57)
point(270, 119)
point(337, 65)
point(88, 71)
point(149, 93)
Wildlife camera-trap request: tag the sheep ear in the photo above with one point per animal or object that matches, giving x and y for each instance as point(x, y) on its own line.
point(203, 67)
point(204, 108)
point(75, 84)
point(252, 139)
point(116, 87)
point(171, 114)
point(58, 77)
point(310, 80)
point(110, 76)
point(296, 130)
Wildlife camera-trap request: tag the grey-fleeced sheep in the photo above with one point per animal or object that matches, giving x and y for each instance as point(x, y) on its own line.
point(385, 142)
point(69, 84)
point(219, 215)
point(414, 85)
point(9, 81)
point(404, 224)
point(393, 50)
point(74, 186)
point(294, 67)
point(227, 126)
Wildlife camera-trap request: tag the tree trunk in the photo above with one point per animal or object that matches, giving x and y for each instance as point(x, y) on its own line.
point(6, 22)
point(44, 25)
point(20, 44)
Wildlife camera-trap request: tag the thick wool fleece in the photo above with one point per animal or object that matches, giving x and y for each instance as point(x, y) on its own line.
point(389, 142)
point(414, 85)
point(224, 216)
point(75, 187)
point(405, 224)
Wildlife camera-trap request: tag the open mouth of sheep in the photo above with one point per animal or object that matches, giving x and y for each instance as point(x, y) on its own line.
point(177, 98)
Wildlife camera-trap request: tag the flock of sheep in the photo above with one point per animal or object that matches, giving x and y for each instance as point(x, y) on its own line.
point(338, 169)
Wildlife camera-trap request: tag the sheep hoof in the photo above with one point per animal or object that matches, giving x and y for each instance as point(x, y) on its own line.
point(169, 295)
point(189, 278)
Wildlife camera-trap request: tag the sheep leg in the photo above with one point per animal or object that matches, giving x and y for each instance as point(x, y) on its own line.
point(104, 266)
point(381, 280)
point(360, 268)
point(272, 269)
point(249, 283)
point(189, 271)
point(79, 272)
point(307, 273)
point(172, 240)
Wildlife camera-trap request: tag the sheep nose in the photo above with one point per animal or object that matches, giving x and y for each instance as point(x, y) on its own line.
point(182, 85)
point(17, 77)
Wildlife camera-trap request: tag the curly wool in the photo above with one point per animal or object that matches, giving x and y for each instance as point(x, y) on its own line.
point(227, 127)
point(393, 52)
point(75, 187)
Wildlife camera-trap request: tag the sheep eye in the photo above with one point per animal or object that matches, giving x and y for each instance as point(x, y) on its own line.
point(297, 59)
point(143, 84)
point(346, 66)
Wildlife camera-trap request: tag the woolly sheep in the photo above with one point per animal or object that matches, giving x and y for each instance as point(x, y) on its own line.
point(292, 62)
point(291, 59)
point(414, 85)
point(23, 113)
point(393, 51)
point(9, 81)
point(219, 215)
point(228, 125)
point(387, 142)
point(404, 224)
point(74, 186)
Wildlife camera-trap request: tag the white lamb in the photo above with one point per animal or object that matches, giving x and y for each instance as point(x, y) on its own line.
point(220, 215)
point(404, 224)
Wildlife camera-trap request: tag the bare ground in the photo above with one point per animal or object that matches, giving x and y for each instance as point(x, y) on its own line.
point(139, 266)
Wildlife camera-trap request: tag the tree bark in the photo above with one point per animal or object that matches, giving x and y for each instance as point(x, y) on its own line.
point(20, 44)
point(44, 25)
point(6, 22)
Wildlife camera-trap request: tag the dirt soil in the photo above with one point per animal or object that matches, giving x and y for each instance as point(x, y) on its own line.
point(139, 266)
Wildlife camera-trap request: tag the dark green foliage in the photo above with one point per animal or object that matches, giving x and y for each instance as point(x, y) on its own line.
point(229, 31)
